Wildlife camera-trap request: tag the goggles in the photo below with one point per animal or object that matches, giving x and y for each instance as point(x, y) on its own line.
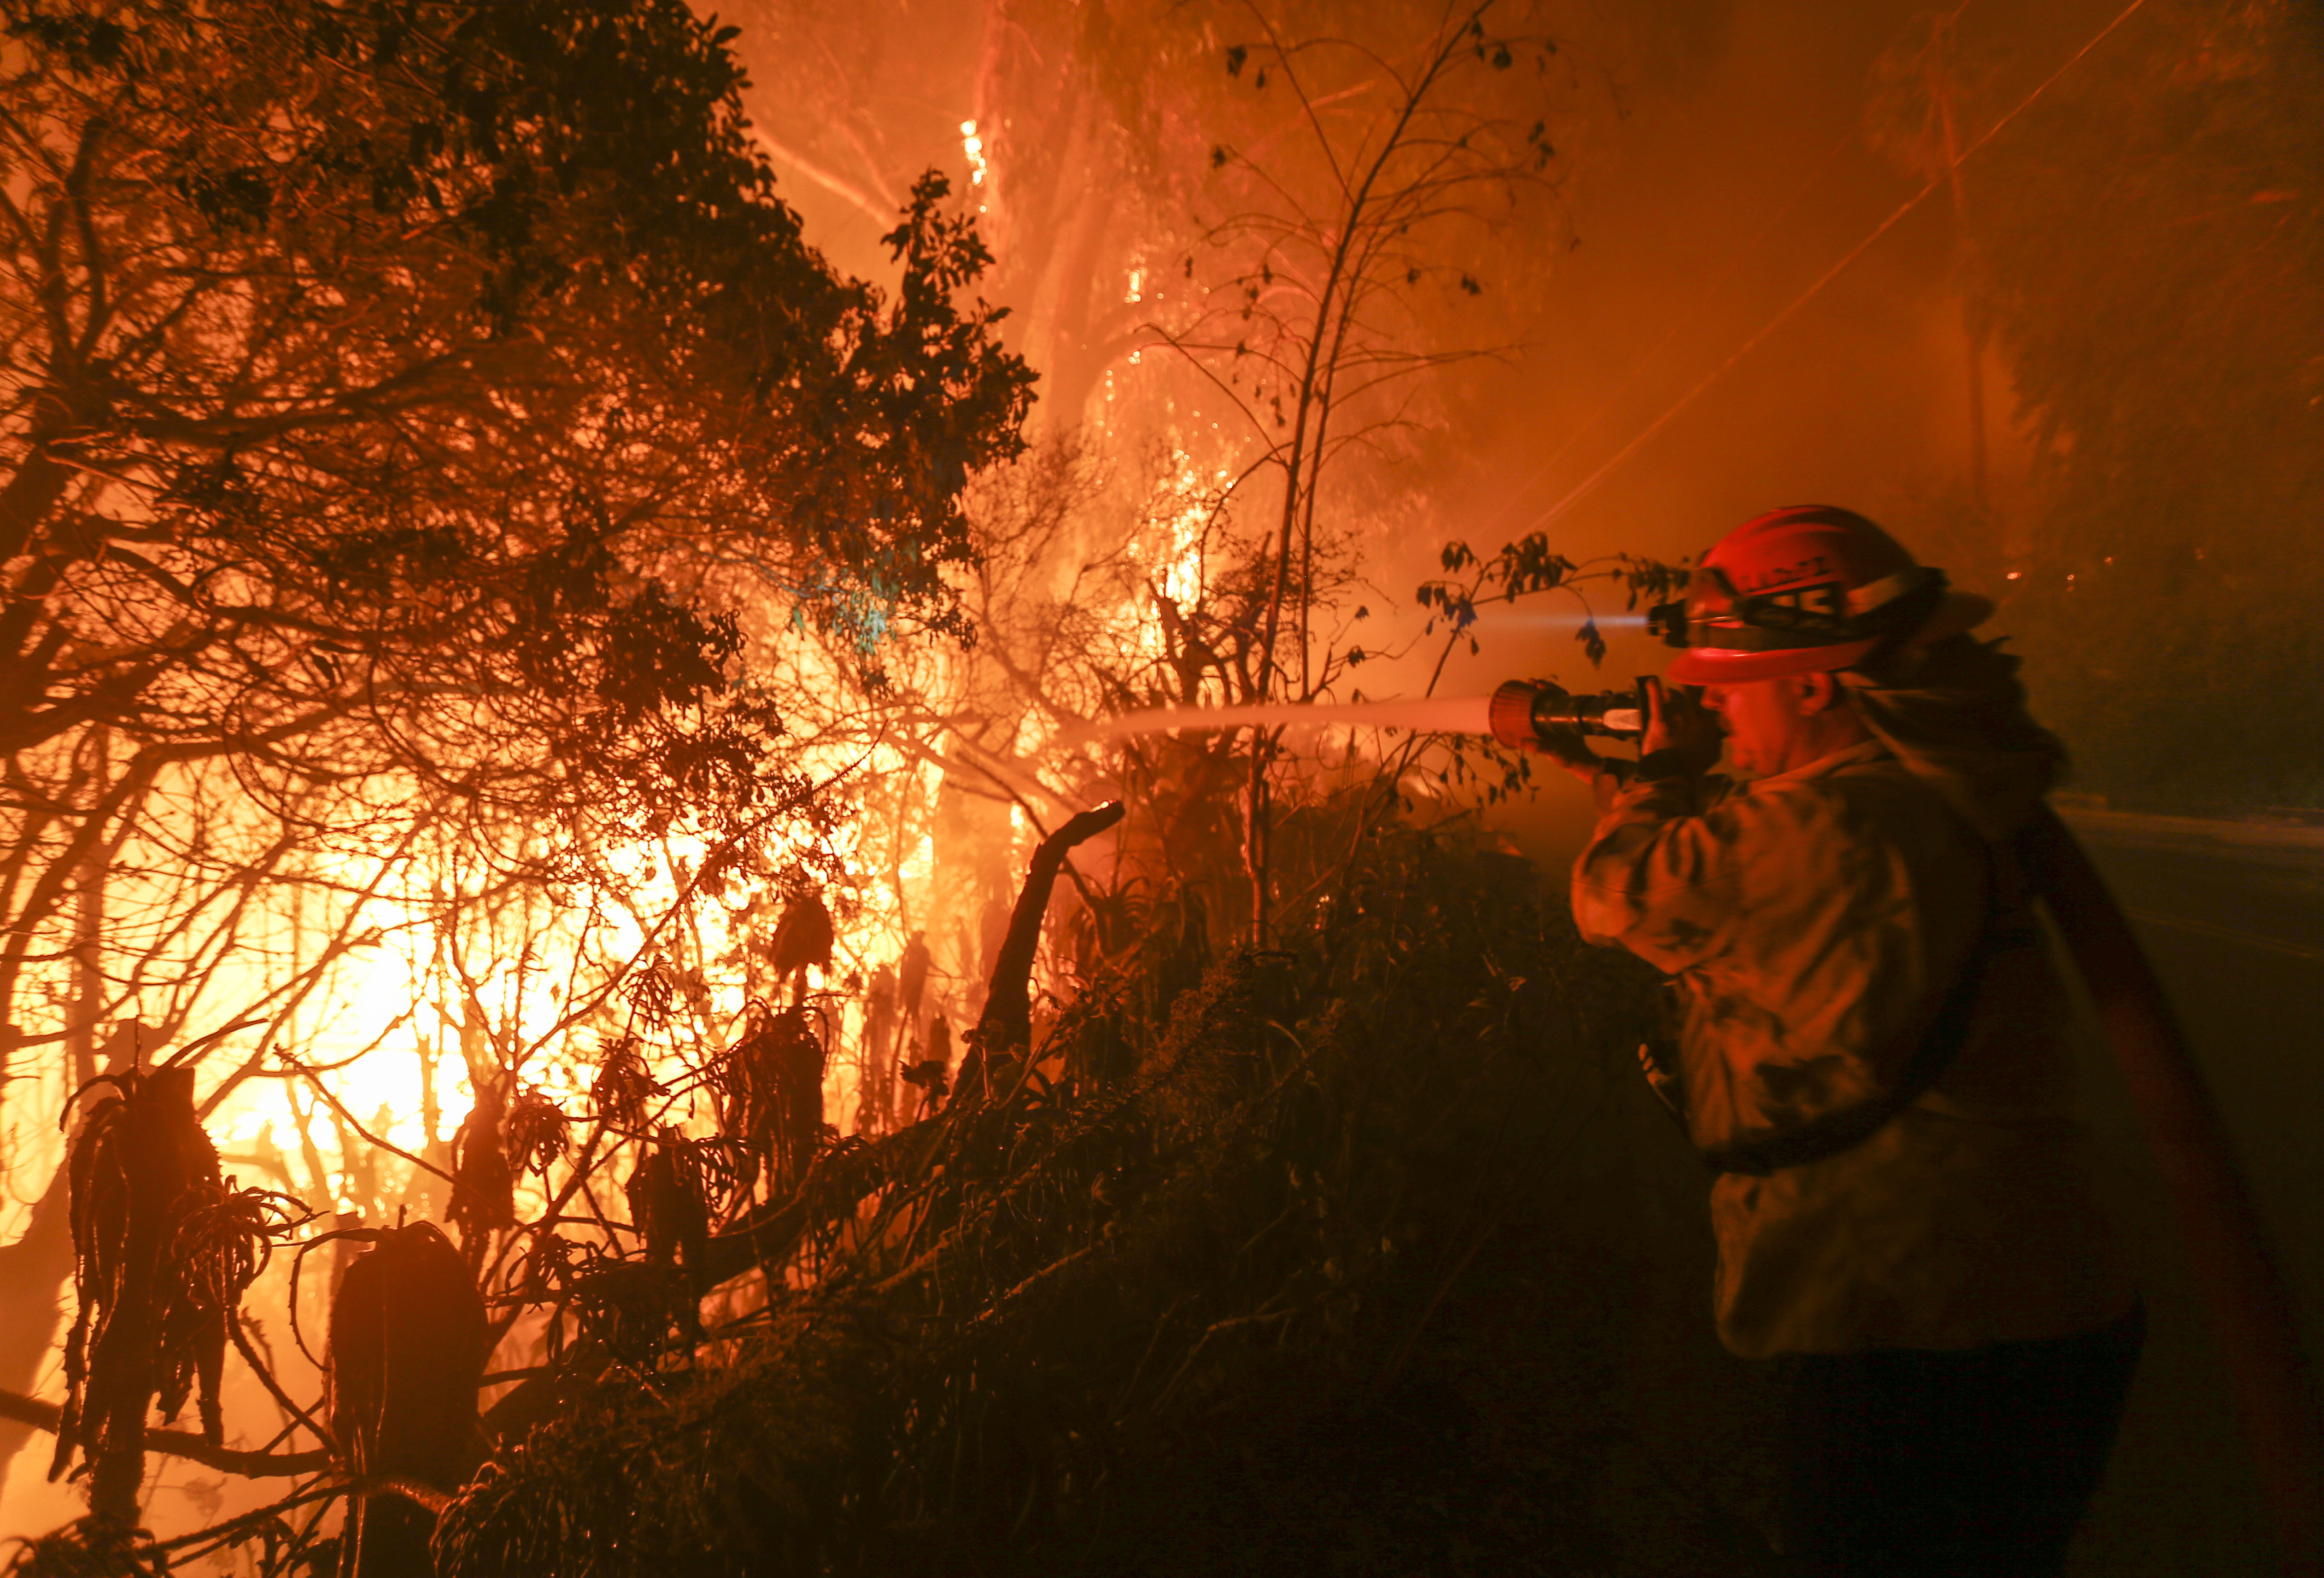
point(1717, 617)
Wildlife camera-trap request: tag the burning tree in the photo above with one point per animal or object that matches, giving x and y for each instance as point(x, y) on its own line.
point(378, 382)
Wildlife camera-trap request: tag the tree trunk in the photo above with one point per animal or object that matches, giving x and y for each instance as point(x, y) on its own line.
point(408, 1346)
point(33, 1271)
point(1005, 1028)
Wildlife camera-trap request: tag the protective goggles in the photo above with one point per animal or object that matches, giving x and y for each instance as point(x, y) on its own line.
point(1717, 616)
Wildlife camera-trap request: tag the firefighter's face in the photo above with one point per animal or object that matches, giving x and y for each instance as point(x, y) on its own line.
point(1774, 726)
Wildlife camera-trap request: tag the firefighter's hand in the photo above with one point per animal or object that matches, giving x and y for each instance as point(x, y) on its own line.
point(1570, 751)
point(1605, 775)
point(1683, 735)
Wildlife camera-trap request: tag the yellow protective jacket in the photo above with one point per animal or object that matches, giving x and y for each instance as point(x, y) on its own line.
point(1812, 921)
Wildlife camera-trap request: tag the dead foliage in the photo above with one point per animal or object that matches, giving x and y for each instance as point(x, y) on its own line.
point(144, 1185)
point(623, 1085)
point(91, 1549)
point(534, 1132)
point(769, 1089)
point(484, 1185)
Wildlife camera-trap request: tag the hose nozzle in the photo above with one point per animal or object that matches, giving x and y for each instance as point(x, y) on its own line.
point(1525, 711)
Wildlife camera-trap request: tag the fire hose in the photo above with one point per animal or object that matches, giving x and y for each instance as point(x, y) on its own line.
point(2250, 1305)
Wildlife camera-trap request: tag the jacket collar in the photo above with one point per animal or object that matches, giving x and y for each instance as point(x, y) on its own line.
point(1856, 755)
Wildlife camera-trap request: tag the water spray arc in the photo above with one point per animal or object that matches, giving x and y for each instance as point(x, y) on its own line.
point(1520, 714)
point(1456, 715)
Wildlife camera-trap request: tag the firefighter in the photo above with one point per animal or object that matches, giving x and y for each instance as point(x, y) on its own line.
point(1867, 1046)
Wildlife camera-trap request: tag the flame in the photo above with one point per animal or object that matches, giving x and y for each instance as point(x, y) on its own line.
point(973, 146)
point(362, 1030)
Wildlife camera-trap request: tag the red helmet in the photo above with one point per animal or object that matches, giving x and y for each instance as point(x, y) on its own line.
point(1810, 589)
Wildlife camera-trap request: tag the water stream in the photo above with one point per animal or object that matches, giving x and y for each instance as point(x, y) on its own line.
point(1443, 715)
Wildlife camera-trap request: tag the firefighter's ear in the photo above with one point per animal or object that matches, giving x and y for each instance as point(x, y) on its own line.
point(1818, 693)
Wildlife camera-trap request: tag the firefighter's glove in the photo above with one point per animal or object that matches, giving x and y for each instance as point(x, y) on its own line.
point(1683, 737)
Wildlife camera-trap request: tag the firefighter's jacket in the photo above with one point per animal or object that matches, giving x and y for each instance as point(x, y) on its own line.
point(1812, 921)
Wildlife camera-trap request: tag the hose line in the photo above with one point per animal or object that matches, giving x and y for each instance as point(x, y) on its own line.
point(2250, 1305)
